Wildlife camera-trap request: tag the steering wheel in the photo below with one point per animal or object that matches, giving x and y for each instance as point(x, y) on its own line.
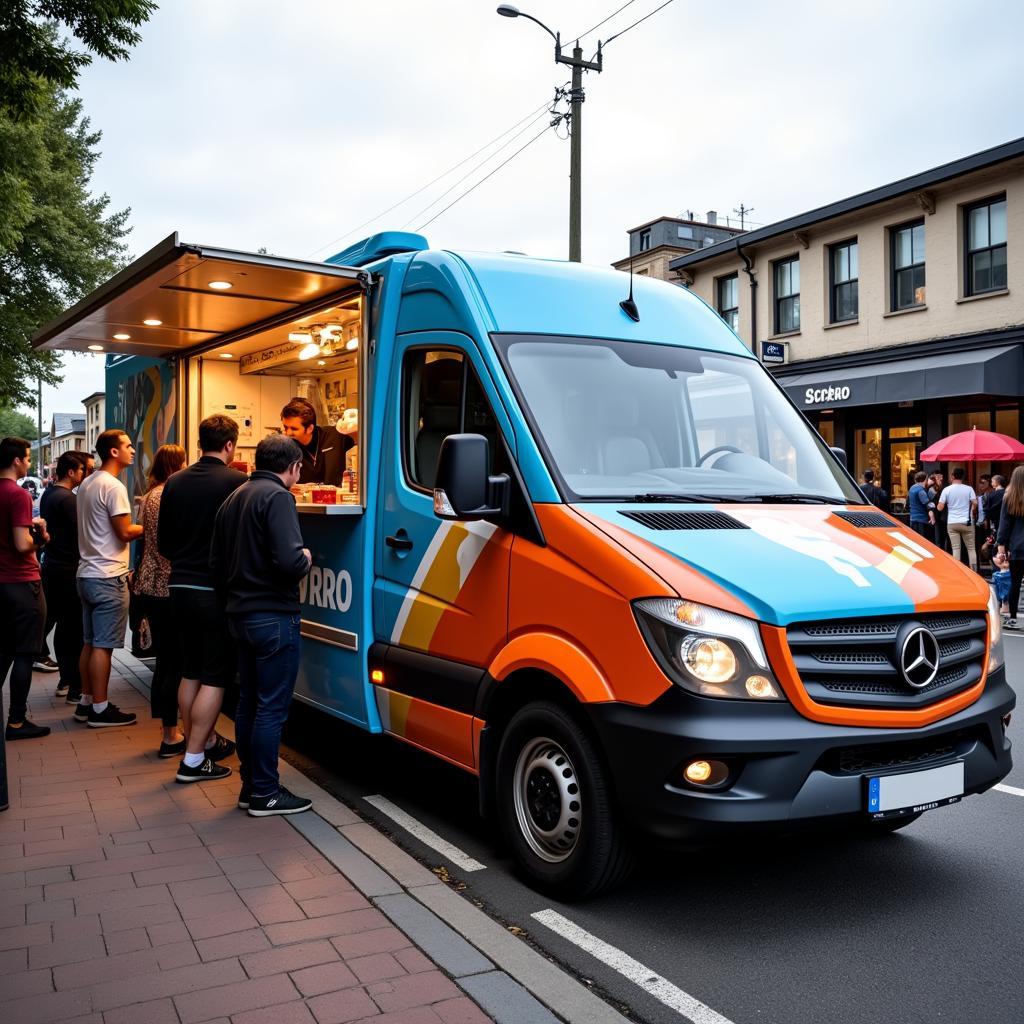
point(721, 448)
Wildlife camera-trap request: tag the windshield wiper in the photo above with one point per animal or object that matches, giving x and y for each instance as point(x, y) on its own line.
point(797, 498)
point(691, 498)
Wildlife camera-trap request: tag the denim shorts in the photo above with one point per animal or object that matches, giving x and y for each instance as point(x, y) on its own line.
point(104, 610)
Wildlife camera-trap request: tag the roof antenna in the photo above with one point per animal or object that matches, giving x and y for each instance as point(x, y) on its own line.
point(628, 306)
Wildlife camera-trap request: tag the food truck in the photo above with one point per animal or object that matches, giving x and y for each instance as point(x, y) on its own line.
point(586, 548)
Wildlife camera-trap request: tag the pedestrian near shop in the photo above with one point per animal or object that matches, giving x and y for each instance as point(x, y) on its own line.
point(960, 504)
point(258, 557)
point(105, 530)
point(149, 585)
point(59, 507)
point(875, 495)
point(188, 507)
point(22, 605)
point(922, 515)
point(994, 503)
point(935, 488)
point(1010, 540)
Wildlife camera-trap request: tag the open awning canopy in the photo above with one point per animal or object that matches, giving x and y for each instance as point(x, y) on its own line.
point(987, 371)
point(181, 297)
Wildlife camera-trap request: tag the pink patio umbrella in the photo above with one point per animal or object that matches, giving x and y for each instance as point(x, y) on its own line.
point(975, 446)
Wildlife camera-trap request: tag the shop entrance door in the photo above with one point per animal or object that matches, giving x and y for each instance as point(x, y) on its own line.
point(902, 460)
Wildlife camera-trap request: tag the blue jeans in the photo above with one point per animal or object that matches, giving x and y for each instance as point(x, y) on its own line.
point(268, 662)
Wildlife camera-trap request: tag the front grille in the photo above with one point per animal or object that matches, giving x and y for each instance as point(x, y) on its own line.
point(856, 663)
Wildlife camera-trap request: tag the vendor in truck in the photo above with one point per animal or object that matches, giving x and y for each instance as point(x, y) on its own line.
point(323, 448)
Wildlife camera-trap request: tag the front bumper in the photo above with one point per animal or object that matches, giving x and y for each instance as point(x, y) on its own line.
point(787, 771)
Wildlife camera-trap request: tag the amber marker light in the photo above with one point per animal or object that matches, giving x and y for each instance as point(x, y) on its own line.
point(706, 772)
point(219, 286)
point(760, 687)
point(377, 676)
point(698, 771)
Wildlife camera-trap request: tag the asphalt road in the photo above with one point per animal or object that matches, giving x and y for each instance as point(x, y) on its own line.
point(922, 926)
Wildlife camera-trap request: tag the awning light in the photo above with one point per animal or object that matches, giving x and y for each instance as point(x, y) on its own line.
point(220, 286)
point(122, 337)
point(152, 323)
point(95, 348)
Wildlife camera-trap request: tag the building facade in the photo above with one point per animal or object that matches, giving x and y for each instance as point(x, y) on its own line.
point(892, 318)
point(652, 246)
point(95, 417)
point(67, 434)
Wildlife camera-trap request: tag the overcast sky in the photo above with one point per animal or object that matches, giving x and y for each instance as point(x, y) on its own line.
point(248, 123)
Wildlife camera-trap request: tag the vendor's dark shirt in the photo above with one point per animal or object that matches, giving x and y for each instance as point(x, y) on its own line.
point(323, 459)
point(59, 507)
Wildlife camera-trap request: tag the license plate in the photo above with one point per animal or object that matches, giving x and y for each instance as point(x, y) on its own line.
point(890, 796)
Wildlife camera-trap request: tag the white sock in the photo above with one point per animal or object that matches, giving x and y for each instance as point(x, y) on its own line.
point(100, 707)
point(86, 698)
point(194, 760)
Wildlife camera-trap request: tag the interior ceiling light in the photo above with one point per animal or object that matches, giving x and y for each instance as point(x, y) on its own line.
point(225, 355)
point(300, 337)
point(311, 350)
point(95, 348)
point(321, 362)
point(352, 344)
point(152, 323)
point(220, 286)
point(122, 337)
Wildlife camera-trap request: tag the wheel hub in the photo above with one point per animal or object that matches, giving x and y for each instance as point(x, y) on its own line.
point(547, 800)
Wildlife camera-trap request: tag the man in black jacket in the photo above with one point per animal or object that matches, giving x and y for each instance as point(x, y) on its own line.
point(323, 450)
point(872, 492)
point(258, 558)
point(184, 529)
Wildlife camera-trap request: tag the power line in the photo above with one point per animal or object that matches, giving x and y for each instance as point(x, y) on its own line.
point(600, 23)
point(531, 117)
point(635, 23)
point(473, 170)
point(458, 199)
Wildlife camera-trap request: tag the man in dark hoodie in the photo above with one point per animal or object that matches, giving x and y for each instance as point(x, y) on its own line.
point(258, 559)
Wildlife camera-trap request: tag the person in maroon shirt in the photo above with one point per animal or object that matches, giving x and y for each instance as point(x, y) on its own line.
point(22, 606)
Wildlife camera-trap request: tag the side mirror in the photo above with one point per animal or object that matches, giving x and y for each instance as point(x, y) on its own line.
point(840, 454)
point(463, 489)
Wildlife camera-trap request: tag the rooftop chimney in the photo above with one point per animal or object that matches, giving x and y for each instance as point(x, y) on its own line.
point(712, 217)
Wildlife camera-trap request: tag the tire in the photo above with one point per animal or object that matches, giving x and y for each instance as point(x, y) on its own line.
point(555, 805)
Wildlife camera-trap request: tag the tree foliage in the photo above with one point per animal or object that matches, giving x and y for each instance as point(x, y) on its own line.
point(17, 424)
point(57, 241)
point(33, 56)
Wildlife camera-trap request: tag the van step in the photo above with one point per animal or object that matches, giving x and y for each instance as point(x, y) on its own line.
point(685, 520)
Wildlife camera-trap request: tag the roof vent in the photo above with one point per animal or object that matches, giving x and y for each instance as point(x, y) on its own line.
point(866, 520)
point(685, 520)
point(376, 247)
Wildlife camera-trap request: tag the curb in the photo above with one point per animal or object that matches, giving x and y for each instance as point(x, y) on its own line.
point(460, 938)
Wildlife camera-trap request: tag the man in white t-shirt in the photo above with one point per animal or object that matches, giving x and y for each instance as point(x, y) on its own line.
point(105, 530)
point(961, 506)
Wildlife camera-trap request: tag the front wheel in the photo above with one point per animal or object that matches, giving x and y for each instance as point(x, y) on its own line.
point(555, 805)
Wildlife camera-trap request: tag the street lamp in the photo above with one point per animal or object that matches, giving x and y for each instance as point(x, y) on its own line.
point(576, 97)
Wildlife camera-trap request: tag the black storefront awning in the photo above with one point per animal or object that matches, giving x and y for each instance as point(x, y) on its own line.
point(986, 371)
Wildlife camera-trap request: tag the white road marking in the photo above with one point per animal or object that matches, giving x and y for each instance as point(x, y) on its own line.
point(1012, 790)
point(662, 989)
point(425, 835)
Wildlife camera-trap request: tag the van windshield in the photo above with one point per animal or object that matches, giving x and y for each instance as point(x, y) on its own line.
point(650, 422)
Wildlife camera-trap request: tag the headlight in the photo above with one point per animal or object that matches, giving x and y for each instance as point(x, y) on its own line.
point(707, 651)
point(996, 658)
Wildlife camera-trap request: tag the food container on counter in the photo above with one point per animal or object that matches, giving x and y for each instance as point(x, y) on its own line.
point(324, 494)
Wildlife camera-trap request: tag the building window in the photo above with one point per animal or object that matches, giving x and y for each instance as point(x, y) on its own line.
point(787, 295)
point(645, 240)
point(907, 266)
point(686, 232)
point(985, 259)
point(728, 300)
point(843, 271)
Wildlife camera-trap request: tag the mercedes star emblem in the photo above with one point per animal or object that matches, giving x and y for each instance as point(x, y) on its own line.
point(919, 658)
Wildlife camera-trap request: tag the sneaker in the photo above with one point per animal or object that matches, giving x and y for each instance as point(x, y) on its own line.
point(221, 748)
point(282, 802)
point(62, 689)
point(1010, 623)
point(82, 712)
point(73, 698)
point(45, 665)
point(204, 772)
point(244, 797)
point(26, 731)
point(172, 749)
point(110, 717)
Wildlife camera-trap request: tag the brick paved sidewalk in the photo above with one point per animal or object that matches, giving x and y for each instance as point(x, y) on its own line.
point(126, 897)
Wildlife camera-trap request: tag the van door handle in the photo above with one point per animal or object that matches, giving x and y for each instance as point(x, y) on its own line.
point(399, 543)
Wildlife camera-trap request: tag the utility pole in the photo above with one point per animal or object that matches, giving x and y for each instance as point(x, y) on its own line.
point(576, 97)
point(39, 426)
